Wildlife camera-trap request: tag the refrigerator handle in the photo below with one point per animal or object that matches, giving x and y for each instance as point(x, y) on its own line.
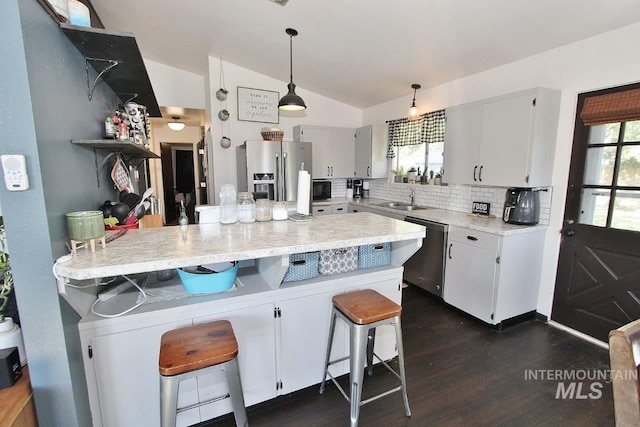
point(277, 178)
point(284, 176)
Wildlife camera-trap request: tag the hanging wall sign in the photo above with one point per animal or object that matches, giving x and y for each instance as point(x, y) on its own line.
point(257, 105)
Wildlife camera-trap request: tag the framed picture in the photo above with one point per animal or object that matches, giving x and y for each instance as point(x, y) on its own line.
point(257, 105)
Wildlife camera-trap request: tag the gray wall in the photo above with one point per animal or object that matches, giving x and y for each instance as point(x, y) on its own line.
point(43, 105)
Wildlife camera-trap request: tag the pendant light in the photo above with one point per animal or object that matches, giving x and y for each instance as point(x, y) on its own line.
point(413, 111)
point(175, 124)
point(291, 101)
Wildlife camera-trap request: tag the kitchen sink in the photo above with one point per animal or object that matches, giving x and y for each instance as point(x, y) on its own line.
point(408, 208)
point(395, 205)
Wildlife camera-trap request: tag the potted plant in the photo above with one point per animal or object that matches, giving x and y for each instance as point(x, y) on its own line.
point(411, 174)
point(223, 114)
point(398, 174)
point(10, 333)
point(221, 94)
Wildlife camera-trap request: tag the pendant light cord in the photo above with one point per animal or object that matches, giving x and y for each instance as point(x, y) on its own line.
point(291, 58)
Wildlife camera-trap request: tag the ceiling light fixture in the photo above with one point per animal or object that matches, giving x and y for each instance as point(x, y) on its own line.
point(280, 2)
point(175, 124)
point(413, 111)
point(291, 101)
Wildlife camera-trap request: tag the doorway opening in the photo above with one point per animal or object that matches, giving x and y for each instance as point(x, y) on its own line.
point(179, 180)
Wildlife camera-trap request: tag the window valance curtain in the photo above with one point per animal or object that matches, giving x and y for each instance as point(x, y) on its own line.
point(611, 108)
point(427, 128)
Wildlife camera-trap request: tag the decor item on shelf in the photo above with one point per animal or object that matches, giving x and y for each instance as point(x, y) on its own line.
point(291, 101)
point(413, 111)
point(225, 142)
point(221, 94)
point(411, 174)
point(223, 115)
point(175, 124)
point(272, 134)
point(398, 174)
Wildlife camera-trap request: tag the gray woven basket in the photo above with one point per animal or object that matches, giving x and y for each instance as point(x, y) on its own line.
point(85, 225)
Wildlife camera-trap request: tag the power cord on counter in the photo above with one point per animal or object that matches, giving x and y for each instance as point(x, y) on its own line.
point(138, 304)
point(66, 258)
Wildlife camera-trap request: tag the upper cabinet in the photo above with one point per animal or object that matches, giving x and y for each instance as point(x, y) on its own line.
point(333, 150)
point(116, 59)
point(506, 141)
point(371, 151)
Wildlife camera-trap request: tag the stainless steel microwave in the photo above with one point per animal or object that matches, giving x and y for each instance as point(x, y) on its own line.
point(321, 189)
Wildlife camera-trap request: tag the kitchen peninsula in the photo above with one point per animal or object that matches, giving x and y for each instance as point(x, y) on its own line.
point(281, 327)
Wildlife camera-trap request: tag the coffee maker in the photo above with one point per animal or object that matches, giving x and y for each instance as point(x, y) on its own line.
point(521, 206)
point(357, 188)
point(349, 188)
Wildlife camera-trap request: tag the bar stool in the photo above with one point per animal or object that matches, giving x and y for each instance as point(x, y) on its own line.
point(198, 350)
point(363, 311)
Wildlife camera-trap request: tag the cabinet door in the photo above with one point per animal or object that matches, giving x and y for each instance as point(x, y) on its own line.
point(339, 209)
point(321, 210)
point(343, 152)
point(254, 328)
point(304, 331)
point(363, 152)
point(505, 153)
point(462, 144)
point(333, 150)
point(128, 381)
point(470, 279)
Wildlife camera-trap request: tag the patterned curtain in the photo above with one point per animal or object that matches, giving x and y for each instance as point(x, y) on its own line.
point(427, 128)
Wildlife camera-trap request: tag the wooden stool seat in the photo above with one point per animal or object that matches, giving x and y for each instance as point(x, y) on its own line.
point(366, 306)
point(194, 351)
point(195, 347)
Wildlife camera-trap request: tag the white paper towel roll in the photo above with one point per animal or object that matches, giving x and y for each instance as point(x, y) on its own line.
point(304, 190)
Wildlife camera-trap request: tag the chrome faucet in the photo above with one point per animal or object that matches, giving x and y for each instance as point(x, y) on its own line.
point(412, 197)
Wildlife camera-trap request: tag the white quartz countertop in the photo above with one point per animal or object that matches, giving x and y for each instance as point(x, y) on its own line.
point(152, 249)
point(488, 224)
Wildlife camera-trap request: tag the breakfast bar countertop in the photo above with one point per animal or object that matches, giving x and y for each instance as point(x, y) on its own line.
point(152, 249)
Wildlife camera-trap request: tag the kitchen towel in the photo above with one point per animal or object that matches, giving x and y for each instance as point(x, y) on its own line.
point(304, 191)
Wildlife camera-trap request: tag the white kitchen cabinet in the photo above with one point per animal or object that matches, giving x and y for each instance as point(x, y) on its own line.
point(371, 151)
point(340, 208)
point(503, 141)
point(333, 150)
point(493, 277)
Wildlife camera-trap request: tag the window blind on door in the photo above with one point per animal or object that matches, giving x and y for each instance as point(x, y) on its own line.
point(611, 108)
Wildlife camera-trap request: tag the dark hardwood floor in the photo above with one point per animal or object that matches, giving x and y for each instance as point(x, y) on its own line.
point(462, 372)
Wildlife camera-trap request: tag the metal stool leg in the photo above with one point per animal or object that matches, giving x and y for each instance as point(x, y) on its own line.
point(168, 400)
point(329, 343)
point(371, 341)
point(357, 348)
point(398, 328)
point(232, 373)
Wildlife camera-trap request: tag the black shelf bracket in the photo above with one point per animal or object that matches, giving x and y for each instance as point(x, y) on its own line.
point(112, 63)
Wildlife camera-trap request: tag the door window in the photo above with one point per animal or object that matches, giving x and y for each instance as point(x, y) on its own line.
point(611, 184)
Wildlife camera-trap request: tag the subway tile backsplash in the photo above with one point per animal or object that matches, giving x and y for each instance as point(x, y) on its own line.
point(451, 197)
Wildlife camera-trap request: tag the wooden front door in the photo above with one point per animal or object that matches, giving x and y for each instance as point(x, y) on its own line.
point(598, 279)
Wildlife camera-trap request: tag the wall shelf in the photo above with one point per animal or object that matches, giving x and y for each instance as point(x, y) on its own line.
point(116, 58)
point(125, 147)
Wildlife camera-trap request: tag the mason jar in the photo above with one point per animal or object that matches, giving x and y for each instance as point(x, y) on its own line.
point(263, 210)
point(279, 211)
point(246, 207)
point(228, 209)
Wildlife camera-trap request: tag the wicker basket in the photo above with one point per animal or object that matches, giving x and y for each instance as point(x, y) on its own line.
point(85, 225)
point(272, 135)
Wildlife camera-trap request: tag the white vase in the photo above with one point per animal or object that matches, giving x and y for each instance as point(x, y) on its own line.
point(11, 336)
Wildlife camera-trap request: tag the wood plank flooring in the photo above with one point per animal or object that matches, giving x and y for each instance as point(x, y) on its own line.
point(462, 372)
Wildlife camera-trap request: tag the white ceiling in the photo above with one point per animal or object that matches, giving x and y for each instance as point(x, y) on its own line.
point(360, 52)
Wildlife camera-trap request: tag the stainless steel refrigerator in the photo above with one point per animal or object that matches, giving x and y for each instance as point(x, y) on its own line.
point(269, 169)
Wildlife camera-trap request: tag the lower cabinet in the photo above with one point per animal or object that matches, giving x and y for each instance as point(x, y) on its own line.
point(282, 336)
point(493, 277)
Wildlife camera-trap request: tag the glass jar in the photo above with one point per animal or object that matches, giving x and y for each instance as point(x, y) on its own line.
point(246, 207)
point(263, 210)
point(228, 210)
point(279, 211)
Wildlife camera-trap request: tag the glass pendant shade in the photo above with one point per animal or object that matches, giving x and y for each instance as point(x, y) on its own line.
point(175, 124)
point(413, 111)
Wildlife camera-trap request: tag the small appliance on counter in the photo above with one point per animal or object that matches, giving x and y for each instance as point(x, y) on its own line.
point(357, 188)
point(365, 189)
point(349, 194)
point(521, 206)
point(321, 189)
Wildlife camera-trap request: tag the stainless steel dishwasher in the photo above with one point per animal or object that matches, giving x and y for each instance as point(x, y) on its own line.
point(425, 268)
